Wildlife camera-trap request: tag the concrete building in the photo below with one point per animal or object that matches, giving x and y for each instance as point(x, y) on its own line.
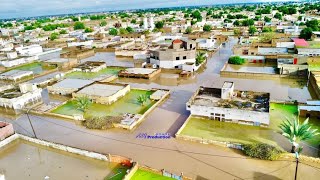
point(103, 93)
point(90, 66)
point(17, 98)
point(16, 75)
point(178, 53)
point(310, 110)
point(68, 86)
point(137, 37)
point(29, 50)
point(229, 105)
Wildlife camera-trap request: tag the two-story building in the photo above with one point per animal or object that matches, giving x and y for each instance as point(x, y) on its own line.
point(173, 57)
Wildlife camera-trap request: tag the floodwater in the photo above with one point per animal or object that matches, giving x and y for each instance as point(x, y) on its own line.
point(36, 68)
point(111, 59)
point(24, 160)
point(250, 68)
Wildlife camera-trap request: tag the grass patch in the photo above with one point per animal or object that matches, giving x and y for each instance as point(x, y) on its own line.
point(228, 132)
point(36, 67)
point(126, 104)
point(244, 134)
point(118, 173)
point(147, 175)
point(89, 75)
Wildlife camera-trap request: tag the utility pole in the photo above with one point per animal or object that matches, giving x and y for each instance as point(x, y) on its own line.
point(35, 135)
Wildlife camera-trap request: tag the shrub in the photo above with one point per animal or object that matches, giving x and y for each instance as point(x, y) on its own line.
point(106, 122)
point(262, 151)
point(236, 60)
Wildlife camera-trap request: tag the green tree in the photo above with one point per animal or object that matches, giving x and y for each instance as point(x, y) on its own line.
point(236, 32)
point(123, 31)
point(133, 21)
point(306, 33)
point(63, 31)
point(236, 60)
point(159, 24)
point(197, 15)
point(83, 103)
point(313, 24)
point(78, 25)
point(266, 37)
point(54, 36)
point(200, 58)
point(113, 31)
point(267, 29)
point(130, 29)
point(88, 30)
point(103, 23)
point(252, 30)
point(296, 132)
point(188, 30)
point(142, 99)
point(267, 19)
point(236, 23)
point(278, 16)
point(207, 27)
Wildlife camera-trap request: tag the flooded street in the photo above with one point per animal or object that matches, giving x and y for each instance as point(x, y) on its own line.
point(28, 161)
point(193, 159)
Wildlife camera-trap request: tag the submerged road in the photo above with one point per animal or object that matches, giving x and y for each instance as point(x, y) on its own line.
point(198, 161)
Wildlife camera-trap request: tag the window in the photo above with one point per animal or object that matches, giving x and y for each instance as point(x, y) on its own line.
point(184, 57)
point(190, 46)
point(177, 58)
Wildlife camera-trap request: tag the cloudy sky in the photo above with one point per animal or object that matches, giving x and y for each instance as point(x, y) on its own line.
point(24, 8)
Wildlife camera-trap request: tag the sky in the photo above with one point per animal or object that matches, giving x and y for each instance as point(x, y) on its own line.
point(27, 8)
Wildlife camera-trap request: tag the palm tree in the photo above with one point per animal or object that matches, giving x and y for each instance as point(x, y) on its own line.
point(200, 58)
point(83, 102)
point(142, 99)
point(296, 132)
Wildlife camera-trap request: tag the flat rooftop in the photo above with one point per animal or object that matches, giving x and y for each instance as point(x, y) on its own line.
point(103, 90)
point(245, 100)
point(24, 160)
point(57, 60)
point(15, 72)
point(139, 71)
point(72, 83)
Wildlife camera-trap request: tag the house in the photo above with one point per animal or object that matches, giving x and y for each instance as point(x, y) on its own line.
point(310, 110)
point(68, 86)
point(17, 98)
point(307, 48)
point(173, 57)
point(103, 93)
point(229, 105)
point(135, 36)
point(16, 75)
point(90, 66)
point(29, 50)
point(61, 63)
point(207, 44)
point(314, 82)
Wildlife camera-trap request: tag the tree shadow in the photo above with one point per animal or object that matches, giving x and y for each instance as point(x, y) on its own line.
point(263, 176)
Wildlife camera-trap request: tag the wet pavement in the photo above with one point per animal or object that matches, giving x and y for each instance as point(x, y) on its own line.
point(24, 160)
point(193, 159)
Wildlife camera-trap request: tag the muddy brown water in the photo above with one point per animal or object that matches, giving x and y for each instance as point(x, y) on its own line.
point(24, 160)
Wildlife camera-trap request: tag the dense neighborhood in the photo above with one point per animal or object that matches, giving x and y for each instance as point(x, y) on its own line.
point(209, 92)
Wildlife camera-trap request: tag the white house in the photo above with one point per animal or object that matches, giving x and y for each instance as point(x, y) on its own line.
point(29, 50)
point(229, 105)
point(18, 98)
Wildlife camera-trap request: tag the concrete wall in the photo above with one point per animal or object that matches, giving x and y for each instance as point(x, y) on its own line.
point(6, 130)
point(231, 114)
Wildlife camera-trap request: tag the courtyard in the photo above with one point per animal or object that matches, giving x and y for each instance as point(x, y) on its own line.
point(126, 104)
point(236, 133)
